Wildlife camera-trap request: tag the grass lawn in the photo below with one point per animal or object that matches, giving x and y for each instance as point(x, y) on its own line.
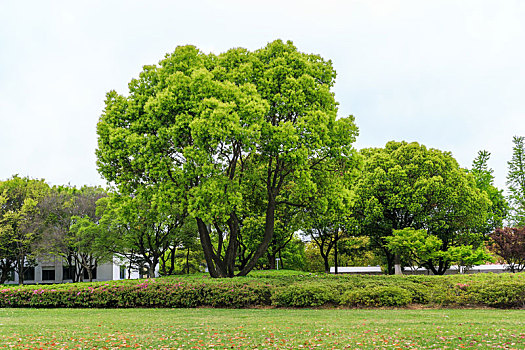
point(261, 328)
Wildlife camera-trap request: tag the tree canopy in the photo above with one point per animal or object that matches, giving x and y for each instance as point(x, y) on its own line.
point(19, 223)
point(499, 207)
point(208, 129)
point(406, 185)
point(516, 181)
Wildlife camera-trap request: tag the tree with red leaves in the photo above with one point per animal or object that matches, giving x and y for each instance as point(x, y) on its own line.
point(509, 243)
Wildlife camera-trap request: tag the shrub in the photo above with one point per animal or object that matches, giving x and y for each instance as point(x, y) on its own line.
point(377, 296)
point(502, 294)
point(281, 289)
point(305, 295)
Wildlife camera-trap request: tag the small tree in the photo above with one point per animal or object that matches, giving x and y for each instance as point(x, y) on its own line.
point(67, 220)
point(142, 228)
point(499, 207)
point(509, 243)
point(516, 181)
point(421, 249)
point(7, 252)
point(19, 224)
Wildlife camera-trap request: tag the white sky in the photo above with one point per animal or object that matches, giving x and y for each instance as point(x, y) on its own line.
point(448, 74)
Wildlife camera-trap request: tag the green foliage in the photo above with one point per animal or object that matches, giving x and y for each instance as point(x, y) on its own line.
point(282, 288)
point(407, 185)
point(377, 296)
point(307, 295)
point(499, 207)
point(211, 131)
point(502, 294)
point(143, 228)
point(20, 220)
point(70, 228)
point(353, 251)
point(516, 182)
point(420, 249)
point(415, 246)
point(327, 218)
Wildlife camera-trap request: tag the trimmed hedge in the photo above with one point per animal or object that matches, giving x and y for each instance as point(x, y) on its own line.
point(305, 295)
point(282, 289)
point(377, 296)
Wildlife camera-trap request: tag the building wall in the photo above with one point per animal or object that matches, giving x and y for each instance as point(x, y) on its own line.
point(105, 272)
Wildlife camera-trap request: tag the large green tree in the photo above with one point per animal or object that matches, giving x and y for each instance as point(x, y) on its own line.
point(408, 185)
point(202, 126)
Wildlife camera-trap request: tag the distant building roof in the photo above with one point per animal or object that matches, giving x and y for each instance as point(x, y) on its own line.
point(377, 269)
point(356, 269)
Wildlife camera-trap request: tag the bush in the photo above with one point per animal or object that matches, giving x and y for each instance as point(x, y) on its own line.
point(502, 294)
point(377, 296)
point(282, 289)
point(305, 295)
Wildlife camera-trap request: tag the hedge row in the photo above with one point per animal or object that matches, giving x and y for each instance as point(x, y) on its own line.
point(294, 290)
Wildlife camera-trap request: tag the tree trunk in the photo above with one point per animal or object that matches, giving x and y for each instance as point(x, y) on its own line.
point(6, 266)
point(231, 251)
point(3, 277)
point(188, 261)
point(271, 260)
point(398, 270)
point(389, 262)
point(336, 262)
point(207, 247)
point(151, 270)
point(326, 262)
point(268, 235)
point(20, 268)
point(172, 260)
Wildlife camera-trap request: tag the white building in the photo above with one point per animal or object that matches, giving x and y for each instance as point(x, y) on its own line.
point(55, 271)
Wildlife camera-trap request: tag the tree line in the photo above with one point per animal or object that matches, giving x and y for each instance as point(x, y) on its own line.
point(242, 157)
point(402, 204)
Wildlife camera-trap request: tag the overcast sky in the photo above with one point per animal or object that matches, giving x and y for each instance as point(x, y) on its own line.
point(447, 74)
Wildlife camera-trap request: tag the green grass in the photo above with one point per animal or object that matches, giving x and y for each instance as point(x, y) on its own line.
point(261, 328)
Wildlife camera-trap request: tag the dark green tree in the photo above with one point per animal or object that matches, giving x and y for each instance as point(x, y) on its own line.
point(406, 185)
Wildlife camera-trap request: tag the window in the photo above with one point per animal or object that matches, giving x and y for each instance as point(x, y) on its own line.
point(29, 273)
point(48, 274)
point(122, 272)
point(93, 271)
point(67, 272)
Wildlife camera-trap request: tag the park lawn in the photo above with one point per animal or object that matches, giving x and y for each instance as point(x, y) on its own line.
point(261, 328)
